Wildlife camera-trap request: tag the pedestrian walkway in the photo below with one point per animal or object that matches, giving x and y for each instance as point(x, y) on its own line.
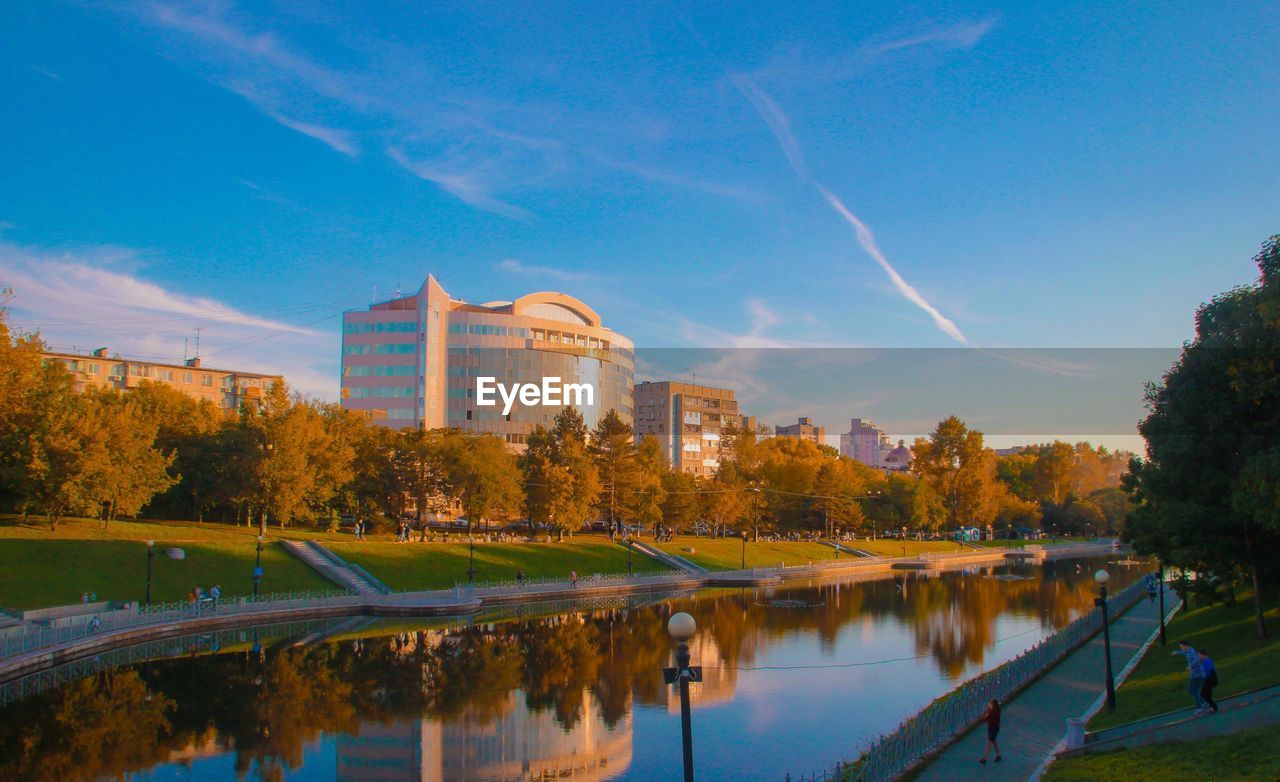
point(1034, 720)
point(1235, 713)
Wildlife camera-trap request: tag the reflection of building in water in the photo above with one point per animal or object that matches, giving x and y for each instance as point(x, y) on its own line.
point(519, 745)
point(717, 683)
point(398, 752)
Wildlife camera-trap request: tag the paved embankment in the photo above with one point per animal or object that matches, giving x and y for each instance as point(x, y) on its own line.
point(1235, 713)
point(1034, 720)
point(128, 626)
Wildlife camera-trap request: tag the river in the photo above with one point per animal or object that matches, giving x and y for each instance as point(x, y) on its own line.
point(795, 678)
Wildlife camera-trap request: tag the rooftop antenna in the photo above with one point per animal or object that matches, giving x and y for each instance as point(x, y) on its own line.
point(397, 290)
point(693, 374)
point(184, 349)
point(198, 330)
point(375, 294)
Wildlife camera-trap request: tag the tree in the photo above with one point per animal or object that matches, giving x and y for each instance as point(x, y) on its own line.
point(561, 480)
point(1206, 494)
point(485, 478)
point(953, 461)
point(680, 498)
point(125, 469)
point(647, 493)
point(615, 458)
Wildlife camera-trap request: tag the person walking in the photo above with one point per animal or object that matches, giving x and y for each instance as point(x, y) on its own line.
point(1195, 682)
point(1210, 672)
point(992, 717)
point(520, 578)
point(216, 594)
point(573, 579)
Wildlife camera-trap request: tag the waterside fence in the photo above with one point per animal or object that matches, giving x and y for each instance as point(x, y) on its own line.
point(939, 723)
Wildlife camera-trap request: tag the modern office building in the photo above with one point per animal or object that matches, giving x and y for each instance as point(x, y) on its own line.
point(414, 360)
point(226, 388)
point(688, 420)
point(865, 442)
point(805, 429)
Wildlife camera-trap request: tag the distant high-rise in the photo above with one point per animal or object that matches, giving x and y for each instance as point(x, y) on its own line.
point(805, 429)
point(865, 442)
point(414, 360)
point(687, 420)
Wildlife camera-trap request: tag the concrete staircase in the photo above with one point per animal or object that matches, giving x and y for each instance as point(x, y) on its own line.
point(673, 561)
point(333, 567)
point(1235, 713)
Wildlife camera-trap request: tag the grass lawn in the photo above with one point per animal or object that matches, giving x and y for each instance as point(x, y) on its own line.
point(176, 531)
point(893, 548)
point(35, 573)
point(726, 553)
point(1159, 682)
point(1249, 755)
point(441, 565)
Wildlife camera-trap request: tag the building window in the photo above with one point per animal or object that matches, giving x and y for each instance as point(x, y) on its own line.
point(186, 377)
point(206, 380)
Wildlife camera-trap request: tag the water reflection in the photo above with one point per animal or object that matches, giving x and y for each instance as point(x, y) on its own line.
point(530, 697)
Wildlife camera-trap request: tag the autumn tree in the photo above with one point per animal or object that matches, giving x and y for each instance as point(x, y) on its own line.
point(954, 463)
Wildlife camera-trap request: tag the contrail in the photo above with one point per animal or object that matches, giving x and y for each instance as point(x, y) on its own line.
point(780, 126)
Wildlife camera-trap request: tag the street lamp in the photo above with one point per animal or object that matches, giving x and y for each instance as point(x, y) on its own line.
point(630, 568)
point(171, 553)
point(681, 626)
point(1102, 577)
point(471, 542)
point(257, 568)
point(1163, 640)
point(151, 552)
point(904, 541)
point(743, 535)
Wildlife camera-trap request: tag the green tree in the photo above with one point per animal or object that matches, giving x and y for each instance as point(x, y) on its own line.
point(615, 458)
point(1208, 493)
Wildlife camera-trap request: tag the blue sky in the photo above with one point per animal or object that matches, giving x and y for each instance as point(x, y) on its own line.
point(1023, 175)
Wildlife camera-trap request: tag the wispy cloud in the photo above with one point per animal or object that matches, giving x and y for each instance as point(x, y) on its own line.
point(780, 125)
point(955, 36)
point(341, 140)
point(468, 186)
point(91, 296)
point(516, 266)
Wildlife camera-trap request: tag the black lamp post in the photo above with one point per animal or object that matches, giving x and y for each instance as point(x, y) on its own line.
point(630, 568)
point(151, 552)
point(172, 553)
point(904, 541)
point(1163, 640)
point(471, 541)
point(681, 626)
point(1102, 577)
point(744, 549)
point(257, 568)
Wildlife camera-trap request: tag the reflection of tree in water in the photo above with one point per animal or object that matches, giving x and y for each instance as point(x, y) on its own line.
point(101, 726)
point(266, 709)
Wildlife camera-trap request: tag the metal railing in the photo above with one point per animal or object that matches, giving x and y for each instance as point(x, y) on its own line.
point(595, 579)
point(33, 637)
point(941, 721)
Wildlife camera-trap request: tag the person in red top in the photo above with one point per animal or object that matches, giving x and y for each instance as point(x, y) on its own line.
point(992, 717)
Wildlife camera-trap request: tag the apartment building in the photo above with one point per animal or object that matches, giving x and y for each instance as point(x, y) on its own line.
point(226, 388)
point(805, 429)
point(687, 420)
point(865, 442)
